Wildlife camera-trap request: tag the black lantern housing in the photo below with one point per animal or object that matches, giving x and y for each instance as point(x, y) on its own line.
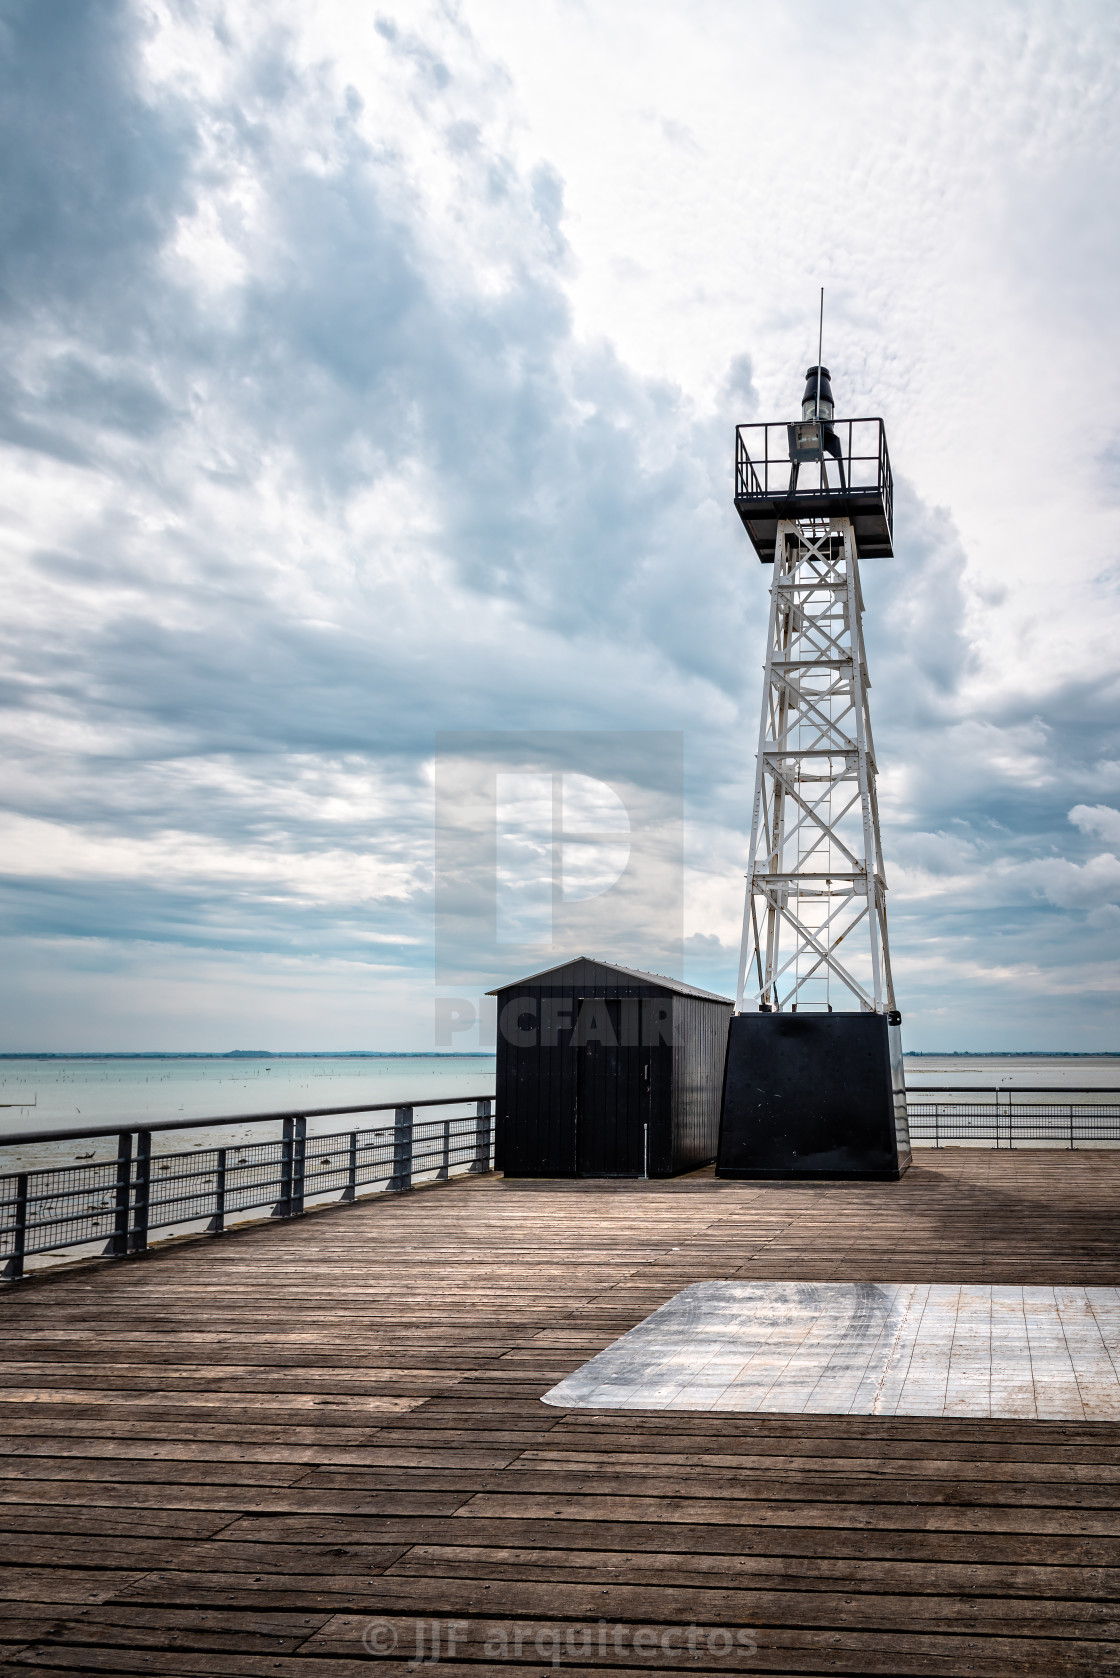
point(810, 407)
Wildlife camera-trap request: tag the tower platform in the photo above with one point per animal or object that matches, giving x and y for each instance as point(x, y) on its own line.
point(855, 483)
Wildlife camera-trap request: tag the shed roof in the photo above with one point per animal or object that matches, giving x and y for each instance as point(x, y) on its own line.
point(571, 969)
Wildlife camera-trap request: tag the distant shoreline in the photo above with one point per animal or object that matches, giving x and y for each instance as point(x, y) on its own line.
point(485, 1054)
point(252, 1054)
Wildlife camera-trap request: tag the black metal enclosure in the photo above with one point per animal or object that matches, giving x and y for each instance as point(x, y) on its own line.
point(607, 1072)
point(813, 1095)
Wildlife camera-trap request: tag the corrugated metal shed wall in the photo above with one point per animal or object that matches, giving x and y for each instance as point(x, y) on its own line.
point(571, 1108)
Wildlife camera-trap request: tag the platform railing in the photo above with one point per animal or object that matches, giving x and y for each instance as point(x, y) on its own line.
point(119, 1204)
point(763, 466)
point(944, 1115)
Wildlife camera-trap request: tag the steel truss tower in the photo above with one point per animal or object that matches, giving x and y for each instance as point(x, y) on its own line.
point(815, 918)
point(814, 1083)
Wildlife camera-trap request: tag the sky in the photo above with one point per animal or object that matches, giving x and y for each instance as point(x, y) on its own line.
point(370, 374)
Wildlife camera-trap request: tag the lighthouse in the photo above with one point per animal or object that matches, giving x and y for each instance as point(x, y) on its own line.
point(814, 1082)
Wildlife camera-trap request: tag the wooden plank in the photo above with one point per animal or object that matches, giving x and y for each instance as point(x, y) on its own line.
point(611, 1479)
point(152, 1470)
point(802, 1571)
point(57, 1584)
point(259, 1631)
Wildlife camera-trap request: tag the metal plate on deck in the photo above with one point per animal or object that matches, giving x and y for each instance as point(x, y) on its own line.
point(866, 1349)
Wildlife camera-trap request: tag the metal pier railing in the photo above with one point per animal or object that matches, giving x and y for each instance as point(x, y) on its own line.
point(1002, 1117)
point(118, 1204)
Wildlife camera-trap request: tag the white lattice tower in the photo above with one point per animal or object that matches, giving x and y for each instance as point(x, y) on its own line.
point(815, 919)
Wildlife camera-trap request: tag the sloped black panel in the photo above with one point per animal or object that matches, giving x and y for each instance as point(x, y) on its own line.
point(810, 1095)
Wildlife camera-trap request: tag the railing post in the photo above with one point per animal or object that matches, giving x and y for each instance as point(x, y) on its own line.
point(445, 1169)
point(283, 1207)
point(350, 1192)
point(118, 1241)
point(299, 1149)
point(13, 1270)
point(1071, 1124)
point(138, 1240)
point(937, 1124)
point(482, 1127)
point(218, 1221)
point(402, 1151)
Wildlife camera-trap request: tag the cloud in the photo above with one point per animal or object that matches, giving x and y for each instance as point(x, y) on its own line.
point(1099, 819)
point(311, 447)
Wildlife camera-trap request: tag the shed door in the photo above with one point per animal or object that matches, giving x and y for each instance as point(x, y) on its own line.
point(612, 1102)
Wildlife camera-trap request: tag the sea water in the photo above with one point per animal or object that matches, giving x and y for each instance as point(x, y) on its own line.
point(1013, 1072)
point(43, 1093)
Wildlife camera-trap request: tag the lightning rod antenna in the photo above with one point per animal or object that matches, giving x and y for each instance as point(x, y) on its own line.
point(820, 347)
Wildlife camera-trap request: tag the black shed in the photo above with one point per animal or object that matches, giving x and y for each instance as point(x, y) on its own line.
point(607, 1072)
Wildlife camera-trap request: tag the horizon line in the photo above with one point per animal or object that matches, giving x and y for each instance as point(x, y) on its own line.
point(475, 1054)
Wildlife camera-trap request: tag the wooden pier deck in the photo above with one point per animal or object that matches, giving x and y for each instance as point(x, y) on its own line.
point(239, 1456)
